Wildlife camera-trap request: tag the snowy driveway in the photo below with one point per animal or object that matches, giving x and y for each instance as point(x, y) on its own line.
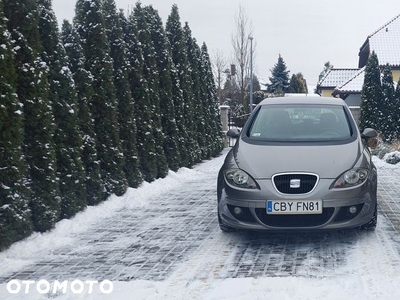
point(162, 241)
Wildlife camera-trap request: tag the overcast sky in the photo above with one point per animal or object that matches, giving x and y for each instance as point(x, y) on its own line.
point(307, 33)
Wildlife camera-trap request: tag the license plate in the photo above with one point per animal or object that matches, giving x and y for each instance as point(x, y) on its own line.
point(294, 207)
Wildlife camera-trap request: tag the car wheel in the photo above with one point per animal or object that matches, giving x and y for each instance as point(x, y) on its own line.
point(371, 224)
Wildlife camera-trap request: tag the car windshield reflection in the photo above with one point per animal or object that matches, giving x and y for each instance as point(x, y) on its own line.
point(303, 123)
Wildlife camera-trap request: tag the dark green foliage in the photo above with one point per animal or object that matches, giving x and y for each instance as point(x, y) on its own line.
point(89, 22)
point(195, 120)
point(15, 215)
point(23, 21)
point(211, 112)
point(294, 85)
point(371, 95)
point(150, 73)
point(297, 84)
point(387, 122)
point(280, 78)
point(139, 88)
point(110, 102)
point(126, 105)
point(83, 84)
point(181, 86)
point(67, 138)
point(164, 68)
point(396, 110)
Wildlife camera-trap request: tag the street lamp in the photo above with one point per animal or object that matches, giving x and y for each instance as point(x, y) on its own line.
point(251, 73)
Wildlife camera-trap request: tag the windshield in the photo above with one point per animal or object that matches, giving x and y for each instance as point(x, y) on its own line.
point(301, 123)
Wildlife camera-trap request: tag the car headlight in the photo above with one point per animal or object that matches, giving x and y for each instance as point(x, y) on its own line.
point(351, 178)
point(240, 178)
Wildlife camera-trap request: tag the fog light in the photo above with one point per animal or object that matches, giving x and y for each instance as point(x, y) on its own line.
point(237, 210)
point(352, 209)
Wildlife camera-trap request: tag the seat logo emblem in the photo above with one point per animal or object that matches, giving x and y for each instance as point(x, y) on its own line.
point(295, 183)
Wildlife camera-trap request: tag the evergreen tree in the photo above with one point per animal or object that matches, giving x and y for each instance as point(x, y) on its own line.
point(294, 85)
point(280, 78)
point(258, 95)
point(139, 88)
point(194, 110)
point(211, 109)
point(387, 124)
point(33, 92)
point(396, 110)
point(67, 138)
point(181, 83)
point(126, 105)
point(15, 215)
point(83, 83)
point(150, 72)
point(327, 67)
point(303, 83)
point(371, 95)
point(298, 84)
point(164, 67)
point(89, 22)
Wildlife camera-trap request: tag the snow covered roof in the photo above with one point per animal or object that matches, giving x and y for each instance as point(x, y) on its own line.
point(336, 76)
point(352, 84)
point(385, 42)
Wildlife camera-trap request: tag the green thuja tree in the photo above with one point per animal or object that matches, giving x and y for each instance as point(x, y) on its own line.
point(164, 68)
point(197, 124)
point(371, 95)
point(15, 215)
point(89, 22)
point(211, 108)
point(139, 88)
point(181, 92)
point(83, 84)
point(126, 104)
point(297, 84)
point(33, 91)
point(67, 138)
point(387, 122)
point(150, 73)
point(294, 85)
point(396, 110)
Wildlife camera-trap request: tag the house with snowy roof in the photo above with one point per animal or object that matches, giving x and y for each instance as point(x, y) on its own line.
point(347, 83)
point(332, 79)
point(386, 43)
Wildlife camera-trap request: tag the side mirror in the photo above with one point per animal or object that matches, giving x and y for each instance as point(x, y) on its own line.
point(369, 135)
point(233, 133)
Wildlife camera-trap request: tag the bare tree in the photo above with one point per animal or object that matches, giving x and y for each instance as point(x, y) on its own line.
point(219, 69)
point(241, 50)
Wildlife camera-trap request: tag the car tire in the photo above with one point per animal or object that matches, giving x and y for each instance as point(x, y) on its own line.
point(371, 224)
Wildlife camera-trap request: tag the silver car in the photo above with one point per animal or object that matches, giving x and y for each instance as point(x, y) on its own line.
point(298, 163)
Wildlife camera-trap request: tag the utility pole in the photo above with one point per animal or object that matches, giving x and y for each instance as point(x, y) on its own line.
point(251, 73)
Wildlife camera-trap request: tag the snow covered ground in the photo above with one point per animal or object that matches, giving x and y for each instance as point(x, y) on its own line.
point(162, 241)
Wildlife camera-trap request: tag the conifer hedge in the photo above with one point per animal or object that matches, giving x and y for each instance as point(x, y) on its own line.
point(105, 103)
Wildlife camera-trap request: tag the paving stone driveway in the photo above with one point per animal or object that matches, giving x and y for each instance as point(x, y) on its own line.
point(150, 242)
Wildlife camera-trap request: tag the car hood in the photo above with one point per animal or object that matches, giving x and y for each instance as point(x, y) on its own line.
point(328, 161)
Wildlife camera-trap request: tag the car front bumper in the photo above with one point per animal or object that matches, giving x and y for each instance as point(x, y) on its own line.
point(335, 215)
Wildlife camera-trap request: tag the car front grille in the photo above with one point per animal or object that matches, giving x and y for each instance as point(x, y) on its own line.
point(307, 220)
point(294, 183)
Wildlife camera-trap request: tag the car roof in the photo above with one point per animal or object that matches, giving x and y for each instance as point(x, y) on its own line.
point(303, 100)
